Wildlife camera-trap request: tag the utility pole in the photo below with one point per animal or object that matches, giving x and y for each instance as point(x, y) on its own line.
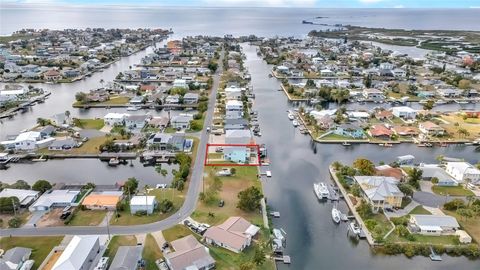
point(14, 208)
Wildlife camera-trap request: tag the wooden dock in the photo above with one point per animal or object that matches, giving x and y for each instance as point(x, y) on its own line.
point(352, 208)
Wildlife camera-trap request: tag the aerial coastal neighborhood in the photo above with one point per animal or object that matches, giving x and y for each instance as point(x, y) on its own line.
point(148, 149)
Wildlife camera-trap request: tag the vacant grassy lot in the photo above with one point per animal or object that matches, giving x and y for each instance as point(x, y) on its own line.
point(471, 225)
point(87, 218)
point(426, 239)
point(117, 241)
point(472, 125)
point(419, 210)
point(40, 246)
point(24, 216)
point(151, 252)
point(89, 123)
point(452, 191)
point(116, 101)
point(244, 178)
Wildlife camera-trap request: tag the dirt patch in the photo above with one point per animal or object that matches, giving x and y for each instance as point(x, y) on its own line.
point(51, 219)
point(53, 259)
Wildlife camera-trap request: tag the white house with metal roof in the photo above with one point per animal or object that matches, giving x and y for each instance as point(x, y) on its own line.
point(463, 172)
point(54, 198)
point(143, 203)
point(79, 253)
point(380, 191)
point(25, 196)
point(433, 224)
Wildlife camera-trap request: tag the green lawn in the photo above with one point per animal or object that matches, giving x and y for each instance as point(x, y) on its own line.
point(91, 146)
point(175, 232)
point(426, 239)
point(471, 225)
point(452, 191)
point(41, 246)
point(405, 201)
point(419, 210)
point(117, 241)
point(151, 252)
point(335, 137)
point(116, 101)
point(87, 218)
point(89, 123)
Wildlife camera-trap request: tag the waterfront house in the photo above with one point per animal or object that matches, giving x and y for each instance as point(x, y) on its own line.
point(233, 109)
point(380, 131)
point(105, 200)
point(27, 141)
point(449, 93)
point(127, 258)
point(325, 122)
point(297, 73)
point(389, 171)
point(463, 172)
point(143, 203)
point(172, 99)
point(384, 115)
point(350, 130)
point(47, 131)
point(239, 154)
point(53, 199)
point(404, 112)
point(62, 144)
point(137, 100)
point(24, 196)
point(113, 119)
point(235, 234)
point(52, 75)
point(136, 121)
point(233, 92)
point(79, 253)
point(182, 121)
point(159, 122)
point(380, 191)
point(189, 254)
point(190, 98)
point(431, 171)
point(373, 94)
point(433, 224)
point(240, 123)
point(406, 131)
point(61, 120)
point(180, 83)
point(15, 259)
point(430, 128)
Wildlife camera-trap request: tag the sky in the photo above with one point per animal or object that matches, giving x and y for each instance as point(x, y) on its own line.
point(265, 3)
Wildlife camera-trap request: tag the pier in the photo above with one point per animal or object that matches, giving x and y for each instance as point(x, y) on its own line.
point(350, 205)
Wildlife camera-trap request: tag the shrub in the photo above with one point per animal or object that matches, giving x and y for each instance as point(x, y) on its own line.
point(454, 204)
point(141, 213)
point(400, 220)
point(370, 223)
point(14, 222)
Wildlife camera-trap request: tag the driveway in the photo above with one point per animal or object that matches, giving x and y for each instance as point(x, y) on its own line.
point(432, 200)
point(34, 218)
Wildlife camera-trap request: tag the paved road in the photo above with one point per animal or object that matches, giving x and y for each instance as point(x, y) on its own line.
point(185, 211)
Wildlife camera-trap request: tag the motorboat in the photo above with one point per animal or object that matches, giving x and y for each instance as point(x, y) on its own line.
point(336, 215)
point(113, 162)
point(295, 123)
point(321, 190)
point(346, 144)
point(133, 108)
point(354, 228)
point(440, 102)
point(291, 116)
point(277, 234)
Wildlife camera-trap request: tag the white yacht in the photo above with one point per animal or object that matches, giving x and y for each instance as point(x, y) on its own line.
point(336, 215)
point(321, 190)
point(295, 123)
point(354, 228)
point(133, 108)
point(290, 116)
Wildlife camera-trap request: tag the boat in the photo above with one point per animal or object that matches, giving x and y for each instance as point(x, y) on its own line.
point(277, 234)
point(461, 101)
point(336, 215)
point(133, 108)
point(291, 116)
point(346, 144)
point(321, 190)
point(295, 123)
point(385, 144)
point(440, 102)
point(354, 228)
point(113, 162)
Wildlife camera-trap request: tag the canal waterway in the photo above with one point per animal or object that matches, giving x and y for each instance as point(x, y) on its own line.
point(313, 240)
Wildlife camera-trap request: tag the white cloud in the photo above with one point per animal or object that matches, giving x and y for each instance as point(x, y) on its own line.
point(399, 6)
point(370, 1)
point(263, 3)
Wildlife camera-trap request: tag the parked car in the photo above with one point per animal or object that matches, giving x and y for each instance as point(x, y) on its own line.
point(221, 203)
point(65, 215)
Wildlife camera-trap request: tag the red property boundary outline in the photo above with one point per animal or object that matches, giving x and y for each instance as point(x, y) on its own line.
point(257, 146)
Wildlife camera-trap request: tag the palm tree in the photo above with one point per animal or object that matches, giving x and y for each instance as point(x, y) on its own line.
point(146, 187)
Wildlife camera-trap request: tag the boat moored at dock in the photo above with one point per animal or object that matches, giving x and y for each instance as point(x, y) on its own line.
point(321, 190)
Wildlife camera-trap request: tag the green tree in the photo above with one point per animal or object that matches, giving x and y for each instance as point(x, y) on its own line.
point(42, 186)
point(81, 97)
point(249, 199)
point(20, 184)
point(8, 205)
point(89, 186)
point(14, 222)
point(212, 66)
point(465, 213)
point(406, 189)
point(356, 190)
point(259, 256)
point(364, 166)
point(428, 105)
point(165, 206)
point(454, 205)
point(414, 177)
point(130, 186)
point(42, 121)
